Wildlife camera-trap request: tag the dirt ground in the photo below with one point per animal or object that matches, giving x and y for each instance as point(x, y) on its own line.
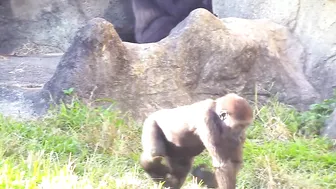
point(20, 78)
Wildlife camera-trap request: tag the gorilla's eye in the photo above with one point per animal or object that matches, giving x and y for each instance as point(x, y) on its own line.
point(223, 115)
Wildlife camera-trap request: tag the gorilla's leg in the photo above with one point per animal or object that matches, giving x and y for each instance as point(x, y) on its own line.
point(154, 151)
point(202, 173)
point(180, 168)
point(157, 30)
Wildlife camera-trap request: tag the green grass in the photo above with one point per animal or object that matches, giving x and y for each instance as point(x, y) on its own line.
point(79, 146)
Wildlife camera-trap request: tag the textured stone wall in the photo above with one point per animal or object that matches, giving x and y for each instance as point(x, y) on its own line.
point(44, 26)
point(312, 21)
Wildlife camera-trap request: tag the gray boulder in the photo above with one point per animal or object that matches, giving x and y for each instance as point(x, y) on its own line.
point(312, 21)
point(45, 26)
point(204, 57)
point(330, 126)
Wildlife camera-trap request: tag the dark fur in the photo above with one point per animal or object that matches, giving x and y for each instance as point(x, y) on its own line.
point(205, 176)
point(178, 135)
point(154, 19)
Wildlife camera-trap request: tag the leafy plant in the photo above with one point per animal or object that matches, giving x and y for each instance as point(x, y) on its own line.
point(312, 121)
point(68, 91)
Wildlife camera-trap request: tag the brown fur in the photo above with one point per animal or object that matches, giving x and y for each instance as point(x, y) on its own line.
point(178, 135)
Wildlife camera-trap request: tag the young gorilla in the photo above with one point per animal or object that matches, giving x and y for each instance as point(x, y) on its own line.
point(154, 19)
point(178, 135)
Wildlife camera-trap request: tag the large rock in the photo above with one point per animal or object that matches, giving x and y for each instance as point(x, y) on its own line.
point(44, 26)
point(203, 57)
point(312, 21)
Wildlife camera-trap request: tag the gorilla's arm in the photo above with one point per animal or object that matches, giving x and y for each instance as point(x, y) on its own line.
point(180, 8)
point(222, 147)
point(175, 8)
point(207, 4)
